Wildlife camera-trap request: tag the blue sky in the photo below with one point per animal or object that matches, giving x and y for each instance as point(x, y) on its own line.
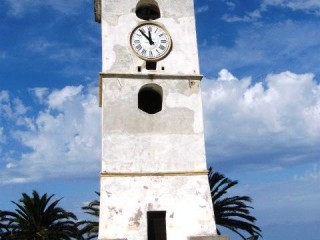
point(261, 97)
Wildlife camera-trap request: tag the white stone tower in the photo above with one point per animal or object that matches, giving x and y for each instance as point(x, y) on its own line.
point(154, 183)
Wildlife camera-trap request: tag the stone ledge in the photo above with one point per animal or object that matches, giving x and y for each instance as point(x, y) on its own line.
point(145, 76)
point(152, 76)
point(208, 238)
point(153, 174)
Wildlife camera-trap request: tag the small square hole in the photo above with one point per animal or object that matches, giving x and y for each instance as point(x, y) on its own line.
point(151, 65)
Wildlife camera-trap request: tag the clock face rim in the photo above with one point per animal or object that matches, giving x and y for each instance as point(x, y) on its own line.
point(166, 52)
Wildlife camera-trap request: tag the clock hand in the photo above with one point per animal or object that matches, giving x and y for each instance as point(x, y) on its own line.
point(147, 37)
point(150, 39)
point(142, 32)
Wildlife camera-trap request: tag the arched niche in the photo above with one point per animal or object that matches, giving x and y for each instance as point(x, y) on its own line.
point(150, 98)
point(148, 10)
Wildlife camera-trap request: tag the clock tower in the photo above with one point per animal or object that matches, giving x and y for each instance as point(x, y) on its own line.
point(154, 182)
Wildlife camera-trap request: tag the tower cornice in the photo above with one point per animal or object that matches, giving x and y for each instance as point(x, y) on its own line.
point(153, 174)
point(150, 76)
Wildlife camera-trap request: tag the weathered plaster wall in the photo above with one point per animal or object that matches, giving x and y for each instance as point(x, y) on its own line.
point(186, 200)
point(171, 140)
point(119, 19)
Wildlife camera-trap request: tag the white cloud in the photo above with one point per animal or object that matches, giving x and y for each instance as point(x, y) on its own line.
point(309, 6)
point(10, 108)
point(311, 175)
point(249, 17)
point(58, 97)
point(42, 46)
point(57, 51)
point(202, 9)
point(40, 93)
point(225, 75)
point(4, 96)
point(231, 5)
point(71, 56)
point(20, 8)
point(285, 201)
point(268, 124)
point(305, 5)
point(2, 136)
point(272, 123)
point(280, 46)
point(63, 139)
point(19, 107)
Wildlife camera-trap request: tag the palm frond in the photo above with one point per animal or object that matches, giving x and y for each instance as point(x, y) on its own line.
point(231, 212)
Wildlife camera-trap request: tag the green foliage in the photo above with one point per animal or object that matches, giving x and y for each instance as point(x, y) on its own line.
point(4, 227)
point(231, 212)
point(90, 229)
point(35, 218)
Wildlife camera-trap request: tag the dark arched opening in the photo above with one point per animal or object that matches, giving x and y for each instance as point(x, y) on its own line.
point(148, 10)
point(150, 98)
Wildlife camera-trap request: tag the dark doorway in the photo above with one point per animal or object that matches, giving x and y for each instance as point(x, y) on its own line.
point(157, 225)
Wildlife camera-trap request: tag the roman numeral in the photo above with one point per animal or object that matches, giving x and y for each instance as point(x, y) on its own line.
point(136, 41)
point(161, 35)
point(163, 41)
point(143, 52)
point(138, 47)
point(150, 54)
point(162, 47)
point(150, 28)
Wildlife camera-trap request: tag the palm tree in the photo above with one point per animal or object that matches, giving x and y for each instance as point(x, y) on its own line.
point(35, 218)
point(231, 212)
point(90, 229)
point(4, 227)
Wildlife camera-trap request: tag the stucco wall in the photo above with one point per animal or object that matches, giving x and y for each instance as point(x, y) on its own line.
point(186, 200)
point(119, 19)
point(170, 140)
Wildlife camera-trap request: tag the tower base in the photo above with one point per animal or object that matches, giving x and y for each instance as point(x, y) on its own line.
point(136, 207)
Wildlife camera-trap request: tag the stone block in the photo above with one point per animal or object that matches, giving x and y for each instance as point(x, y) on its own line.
point(208, 238)
point(220, 238)
point(113, 239)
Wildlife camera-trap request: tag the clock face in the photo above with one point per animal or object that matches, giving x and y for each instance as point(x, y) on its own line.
point(150, 41)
